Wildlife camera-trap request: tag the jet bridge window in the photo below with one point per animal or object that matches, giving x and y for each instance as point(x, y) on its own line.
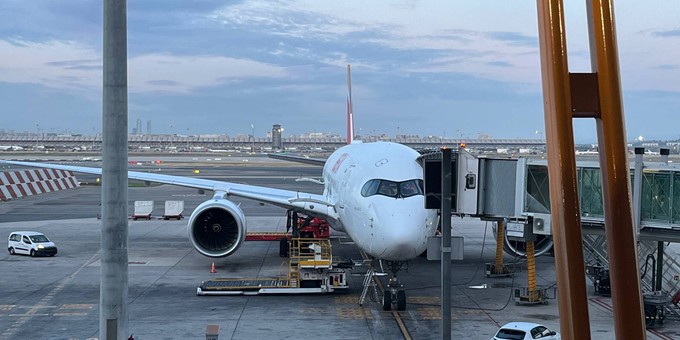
point(392, 189)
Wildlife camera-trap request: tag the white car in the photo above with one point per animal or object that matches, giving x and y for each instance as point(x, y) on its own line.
point(525, 331)
point(30, 243)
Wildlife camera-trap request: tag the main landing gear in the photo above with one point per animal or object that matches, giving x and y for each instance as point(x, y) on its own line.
point(394, 294)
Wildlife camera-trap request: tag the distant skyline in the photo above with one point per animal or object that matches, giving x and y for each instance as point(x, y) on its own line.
point(449, 69)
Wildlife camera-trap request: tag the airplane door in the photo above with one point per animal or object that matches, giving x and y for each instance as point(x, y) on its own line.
point(347, 192)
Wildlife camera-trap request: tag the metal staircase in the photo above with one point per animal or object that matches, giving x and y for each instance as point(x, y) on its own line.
point(595, 255)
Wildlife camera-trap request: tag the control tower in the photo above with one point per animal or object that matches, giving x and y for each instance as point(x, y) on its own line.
point(276, 137)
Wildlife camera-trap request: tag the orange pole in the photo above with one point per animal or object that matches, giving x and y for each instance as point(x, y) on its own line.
point(500, 239)
point(565, 212)
point(621, 237)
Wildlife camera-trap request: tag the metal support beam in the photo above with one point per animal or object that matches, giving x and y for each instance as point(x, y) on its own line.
point(113, 289)
point(446, 244)
point(566, 220)
point(637, 189)
point(659, 266)
point(621, 241)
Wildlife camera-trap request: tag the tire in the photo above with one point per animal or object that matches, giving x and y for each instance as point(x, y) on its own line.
point(387, 301)
point(401, 300)
point(32, 253)
point(650, 316)
point(11, 251)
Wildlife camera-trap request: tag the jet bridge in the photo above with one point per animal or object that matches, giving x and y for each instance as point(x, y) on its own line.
point(516, 192)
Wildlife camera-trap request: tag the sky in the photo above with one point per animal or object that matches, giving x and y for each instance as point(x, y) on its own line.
point(456, 69)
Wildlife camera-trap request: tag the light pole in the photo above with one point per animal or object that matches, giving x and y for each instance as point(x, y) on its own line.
point(171, 136)
point(37, 135)
point(252, 148)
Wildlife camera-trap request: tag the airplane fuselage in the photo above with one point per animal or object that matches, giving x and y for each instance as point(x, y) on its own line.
point(387, 225)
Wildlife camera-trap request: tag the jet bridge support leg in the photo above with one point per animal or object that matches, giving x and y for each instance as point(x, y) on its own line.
point(532, 294)
point(498, 269)
point(531, 271)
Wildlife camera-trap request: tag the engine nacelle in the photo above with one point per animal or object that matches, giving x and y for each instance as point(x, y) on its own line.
point(517, 246)
point(217, 228)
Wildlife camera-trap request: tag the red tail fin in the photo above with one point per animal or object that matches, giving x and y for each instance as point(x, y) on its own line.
point(350, 110)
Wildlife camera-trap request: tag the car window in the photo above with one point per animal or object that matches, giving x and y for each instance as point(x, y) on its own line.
point(15, 237)
point(39, 239)
point(514, 334)
point(26, 240)
point(539, 332)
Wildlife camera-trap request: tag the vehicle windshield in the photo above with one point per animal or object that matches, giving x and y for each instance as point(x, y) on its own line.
point(514, 334)
point(388, 188)
point(38, 238)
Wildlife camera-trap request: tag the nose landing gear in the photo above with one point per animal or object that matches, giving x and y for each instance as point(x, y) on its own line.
point(394, 294)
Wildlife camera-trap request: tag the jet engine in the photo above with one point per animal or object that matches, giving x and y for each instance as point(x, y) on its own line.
point(516, 246)
point(217, 228)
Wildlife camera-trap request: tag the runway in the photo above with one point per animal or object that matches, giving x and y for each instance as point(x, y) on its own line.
point(57, 297)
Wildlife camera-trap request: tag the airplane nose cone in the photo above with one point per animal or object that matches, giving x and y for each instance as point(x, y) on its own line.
point(404, 234)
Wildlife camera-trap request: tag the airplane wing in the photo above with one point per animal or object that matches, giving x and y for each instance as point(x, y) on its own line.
point(283, 198)
point(298, 159)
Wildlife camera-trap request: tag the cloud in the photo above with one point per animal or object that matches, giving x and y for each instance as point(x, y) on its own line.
point(184, 74)
point(668, 67)
point(667, 34)
point(57, 64)
point(71, 65)
point(399, 27)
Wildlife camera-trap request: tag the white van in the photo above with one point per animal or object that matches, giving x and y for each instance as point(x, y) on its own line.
point(30, 243)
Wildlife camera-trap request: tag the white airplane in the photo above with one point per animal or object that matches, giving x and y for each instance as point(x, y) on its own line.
point(10, 148)
point(372, 191)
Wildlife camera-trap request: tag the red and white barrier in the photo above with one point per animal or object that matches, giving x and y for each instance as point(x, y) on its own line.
point(17, 184)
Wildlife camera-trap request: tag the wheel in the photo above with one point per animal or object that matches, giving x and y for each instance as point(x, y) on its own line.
point(650, 316)
point(387, 301)
point(401, 300)
point(32, 253)
point(11, 251)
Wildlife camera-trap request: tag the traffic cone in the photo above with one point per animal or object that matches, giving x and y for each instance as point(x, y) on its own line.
point(212, 268)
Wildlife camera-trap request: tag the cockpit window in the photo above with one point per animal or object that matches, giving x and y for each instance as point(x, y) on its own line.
point(370, 188)
point(409, 188)
point(388, 188)
point(392, 189)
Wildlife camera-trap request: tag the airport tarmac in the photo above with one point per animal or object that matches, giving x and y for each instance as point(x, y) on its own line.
point(57, 297)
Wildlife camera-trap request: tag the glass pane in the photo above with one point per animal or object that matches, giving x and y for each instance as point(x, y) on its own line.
point(538, 190)
point(590, 185)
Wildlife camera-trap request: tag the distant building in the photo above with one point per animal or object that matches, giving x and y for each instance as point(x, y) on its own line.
point(138, 130)
point(317, 135)
point(148, 127)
